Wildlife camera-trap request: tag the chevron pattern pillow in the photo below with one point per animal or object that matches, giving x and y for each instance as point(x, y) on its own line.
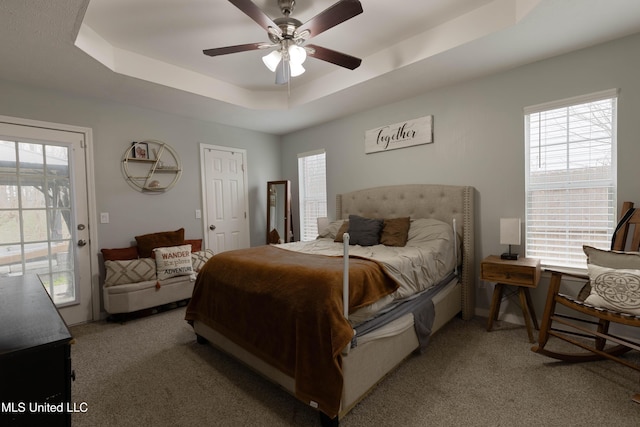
point(133, 271)
point(199, 258)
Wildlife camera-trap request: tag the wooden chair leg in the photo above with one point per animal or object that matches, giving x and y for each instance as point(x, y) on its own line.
point(603, 328)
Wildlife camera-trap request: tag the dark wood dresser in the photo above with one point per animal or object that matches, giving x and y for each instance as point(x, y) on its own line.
point(35, 356)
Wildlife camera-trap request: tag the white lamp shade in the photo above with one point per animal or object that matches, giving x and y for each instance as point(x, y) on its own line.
point(272, 60)
point(509, 231)
point(296, 69)
point(297, 54)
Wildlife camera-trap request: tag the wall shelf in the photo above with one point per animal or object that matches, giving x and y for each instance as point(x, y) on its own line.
point(151, 166)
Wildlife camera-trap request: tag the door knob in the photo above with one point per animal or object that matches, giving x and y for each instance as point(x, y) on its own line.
point(212, 227)
point(82, 242)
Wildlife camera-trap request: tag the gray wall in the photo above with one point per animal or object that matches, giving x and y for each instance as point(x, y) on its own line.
point(478, 128)
point(114, 127)
point(479, 139)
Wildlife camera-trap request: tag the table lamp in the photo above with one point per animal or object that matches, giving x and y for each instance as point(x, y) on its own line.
point(509, 235)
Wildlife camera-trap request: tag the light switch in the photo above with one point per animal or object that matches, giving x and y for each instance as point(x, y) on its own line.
point(198, 214)
point(104, 217)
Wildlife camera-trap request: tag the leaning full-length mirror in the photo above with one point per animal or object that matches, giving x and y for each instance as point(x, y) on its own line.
point(278, 212)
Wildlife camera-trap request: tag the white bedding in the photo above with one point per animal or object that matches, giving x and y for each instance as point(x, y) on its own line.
point(425, 260)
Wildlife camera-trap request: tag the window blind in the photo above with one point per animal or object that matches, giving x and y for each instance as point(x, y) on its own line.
point(312, 178)
point(570, 178)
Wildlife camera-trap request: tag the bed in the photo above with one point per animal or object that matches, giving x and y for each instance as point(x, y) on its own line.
point(335, 370)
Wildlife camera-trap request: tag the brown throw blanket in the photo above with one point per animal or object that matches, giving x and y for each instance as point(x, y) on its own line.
point(286, 308)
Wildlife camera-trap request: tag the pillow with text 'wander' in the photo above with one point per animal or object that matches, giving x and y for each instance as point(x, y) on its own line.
point(173, 261)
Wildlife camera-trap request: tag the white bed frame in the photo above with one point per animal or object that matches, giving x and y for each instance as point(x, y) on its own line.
point(366, 365)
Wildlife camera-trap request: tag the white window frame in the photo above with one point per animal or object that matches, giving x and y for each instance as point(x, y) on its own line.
point(317, 198)
point(575, 204)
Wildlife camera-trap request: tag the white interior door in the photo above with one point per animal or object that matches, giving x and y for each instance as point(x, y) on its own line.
point(44, 218)
point(225, 198)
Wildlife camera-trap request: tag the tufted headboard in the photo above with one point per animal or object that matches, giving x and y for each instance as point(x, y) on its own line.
point(443, 202)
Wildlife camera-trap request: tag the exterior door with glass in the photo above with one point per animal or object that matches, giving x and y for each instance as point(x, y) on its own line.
point(44, 226)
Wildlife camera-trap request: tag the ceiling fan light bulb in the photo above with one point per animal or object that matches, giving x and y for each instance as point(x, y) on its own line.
point(297, 54)
point(296, 69)
point(272, 60)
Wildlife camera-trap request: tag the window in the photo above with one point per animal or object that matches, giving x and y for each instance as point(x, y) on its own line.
point(312, 178)
point(36, 216)
point(570, 177)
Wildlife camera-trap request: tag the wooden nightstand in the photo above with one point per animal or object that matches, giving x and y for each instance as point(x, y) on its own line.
point(523, 273)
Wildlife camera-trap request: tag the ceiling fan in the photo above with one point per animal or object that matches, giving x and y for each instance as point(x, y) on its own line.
point(287, 37)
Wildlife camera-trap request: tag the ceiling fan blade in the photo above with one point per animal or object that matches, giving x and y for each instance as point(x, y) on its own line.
point(254, 12)
point(233, 49)
point(341, 59)
point(332, 16)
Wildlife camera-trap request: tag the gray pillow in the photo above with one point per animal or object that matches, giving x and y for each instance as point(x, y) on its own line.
point(364, 231)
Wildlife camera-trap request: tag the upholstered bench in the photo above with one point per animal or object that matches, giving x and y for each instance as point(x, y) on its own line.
point(159, 270)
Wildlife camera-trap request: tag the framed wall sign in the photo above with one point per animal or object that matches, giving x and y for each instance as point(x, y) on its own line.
point(399, 135)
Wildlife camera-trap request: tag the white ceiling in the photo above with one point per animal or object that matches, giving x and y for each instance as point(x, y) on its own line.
point(149, 52)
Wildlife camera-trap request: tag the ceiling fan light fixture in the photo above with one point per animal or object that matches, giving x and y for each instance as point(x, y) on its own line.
point(288, 35)
point(272, 60)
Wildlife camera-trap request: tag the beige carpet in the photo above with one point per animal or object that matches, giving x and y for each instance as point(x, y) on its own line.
point(151, 372)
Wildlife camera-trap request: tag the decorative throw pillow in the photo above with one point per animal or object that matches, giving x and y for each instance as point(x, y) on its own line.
point(343, 229)
point(173, 261)
point(132, 271)
point(200, 258)
point(395, 231)
point(612, 259)
point(331, 230)
point(148, 242)
point(615, 289)
point(120, 254)
point(425, 230)
point(364, 231)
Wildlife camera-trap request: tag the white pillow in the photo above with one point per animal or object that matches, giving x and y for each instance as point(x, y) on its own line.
point(424, 230)
point(173, 261)
point(614, 289)
point(331, 230)
point(131, 271)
